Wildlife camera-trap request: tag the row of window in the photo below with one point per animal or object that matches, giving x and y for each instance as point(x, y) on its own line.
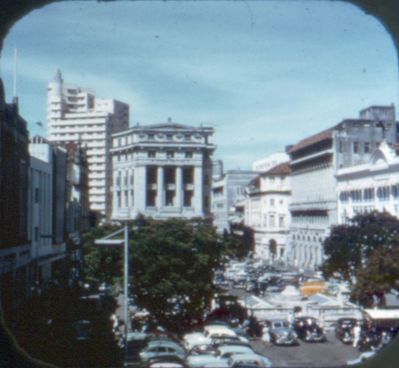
point(358, 147)
point(308, 238)
point(383, 193)
point(152, 136)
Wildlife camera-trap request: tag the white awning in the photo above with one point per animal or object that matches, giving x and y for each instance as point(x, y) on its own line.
point(382, 313)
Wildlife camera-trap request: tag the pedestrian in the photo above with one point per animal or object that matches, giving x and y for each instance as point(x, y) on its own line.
point(356, 334)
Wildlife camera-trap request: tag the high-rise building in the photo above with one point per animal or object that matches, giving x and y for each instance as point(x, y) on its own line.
point(161, 171)
point(76, 115)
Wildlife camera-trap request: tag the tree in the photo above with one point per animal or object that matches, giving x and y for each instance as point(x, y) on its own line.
point(101, 263)
point(172, 266)
point(365, 252)
point(240, 242)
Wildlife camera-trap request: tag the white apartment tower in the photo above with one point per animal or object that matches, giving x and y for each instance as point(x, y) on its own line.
point(75, 115)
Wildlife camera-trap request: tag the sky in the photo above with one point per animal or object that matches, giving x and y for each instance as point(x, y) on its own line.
point(264, 74)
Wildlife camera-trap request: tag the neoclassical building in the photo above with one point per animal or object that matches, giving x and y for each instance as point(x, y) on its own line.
point(161, 171)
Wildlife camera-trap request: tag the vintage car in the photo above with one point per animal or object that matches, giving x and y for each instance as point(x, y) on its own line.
point(281, 333)
point(344, 329)
point(308, 329)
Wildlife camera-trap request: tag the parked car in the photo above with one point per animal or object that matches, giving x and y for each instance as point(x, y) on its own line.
point(203, 349)
point(218, 360)
point(281, 333)
point(159, 348)
point(344, 329)
point(166, 361)
point(248, 360)
point(309, 330)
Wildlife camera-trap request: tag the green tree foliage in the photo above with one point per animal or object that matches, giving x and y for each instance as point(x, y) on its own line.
point(101, 263)
point(240, 242)
point(172, 264)
point(365, 252)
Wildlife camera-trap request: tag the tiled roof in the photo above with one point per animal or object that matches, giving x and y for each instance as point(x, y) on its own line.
point(325, 134)
point(281, 169)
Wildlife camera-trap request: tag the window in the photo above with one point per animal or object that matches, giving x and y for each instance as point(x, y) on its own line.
point(151, 154)
point(187, 137)
point(37, 195)
point(272, 222)
point(189, 154)
point(272, 202)
point(151, 136)
point(36, 233)
point(281, 222)
point(355, 147)
point(170, 154)
point(366, 147)
point(169, 137)
point(341, 147)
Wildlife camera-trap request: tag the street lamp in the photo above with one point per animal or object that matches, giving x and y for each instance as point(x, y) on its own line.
point(108, 241)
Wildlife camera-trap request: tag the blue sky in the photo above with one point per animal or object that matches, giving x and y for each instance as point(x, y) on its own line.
point(264, 74)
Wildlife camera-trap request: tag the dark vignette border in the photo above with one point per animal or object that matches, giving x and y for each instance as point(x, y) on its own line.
point(386, 11)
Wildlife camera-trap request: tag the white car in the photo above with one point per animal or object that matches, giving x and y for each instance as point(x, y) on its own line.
point(252, 360)
point(161, 348)
point(210, 332)
point(219, 359)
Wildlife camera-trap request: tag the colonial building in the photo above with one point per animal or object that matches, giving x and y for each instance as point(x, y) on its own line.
point(14, 243)
point(76, 115)
point(314, 164)
point(227, 190)
point(371, 186)
point(266, 211)
point(162, 170)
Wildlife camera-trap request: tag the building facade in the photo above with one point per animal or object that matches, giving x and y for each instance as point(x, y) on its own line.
point(47, 210)
point(76, 115)
point(267, 211)
point(14, 243)
point(314, 164)
point(162, 171)
point(371, 186)
point(227, 190)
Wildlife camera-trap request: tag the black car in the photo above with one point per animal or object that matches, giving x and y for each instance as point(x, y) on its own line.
point(344, 329)
point(308, 329)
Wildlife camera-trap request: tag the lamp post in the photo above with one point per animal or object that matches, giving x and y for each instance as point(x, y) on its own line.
point(108, 241)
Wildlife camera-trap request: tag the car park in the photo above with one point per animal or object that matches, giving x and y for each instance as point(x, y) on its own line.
point(281, 333)
point(308, 329)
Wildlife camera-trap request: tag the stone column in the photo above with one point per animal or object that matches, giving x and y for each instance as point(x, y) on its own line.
point(140, 189)
point(160, 187)
point(179, 188)
point(198, 191)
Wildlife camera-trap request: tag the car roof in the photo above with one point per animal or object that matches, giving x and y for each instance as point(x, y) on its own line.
point(163, 343)
point(231, 348)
